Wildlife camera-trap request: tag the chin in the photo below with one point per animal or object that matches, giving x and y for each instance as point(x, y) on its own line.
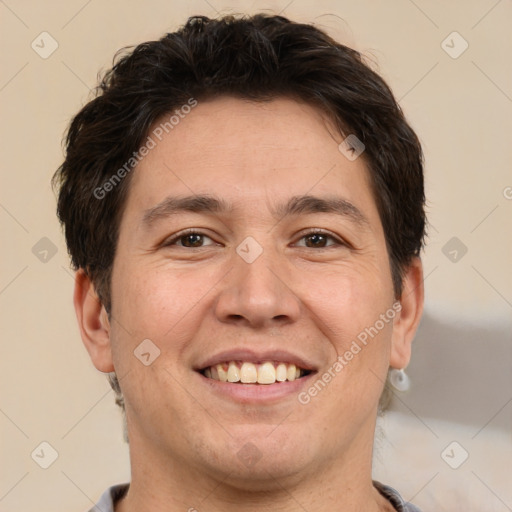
point(262, 458)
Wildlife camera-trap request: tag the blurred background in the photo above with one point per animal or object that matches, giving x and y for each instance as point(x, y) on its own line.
point(446, 444)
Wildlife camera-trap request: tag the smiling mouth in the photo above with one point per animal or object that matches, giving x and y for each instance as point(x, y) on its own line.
point(268, 372)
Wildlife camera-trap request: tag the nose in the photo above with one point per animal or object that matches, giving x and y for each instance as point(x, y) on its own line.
point(257, 294)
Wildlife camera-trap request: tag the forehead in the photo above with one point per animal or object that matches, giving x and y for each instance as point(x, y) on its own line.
point(246, 152)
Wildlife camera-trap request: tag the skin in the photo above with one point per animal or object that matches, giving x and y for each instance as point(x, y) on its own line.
point(193, 302)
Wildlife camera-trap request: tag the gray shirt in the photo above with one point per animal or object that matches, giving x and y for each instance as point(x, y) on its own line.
point(115, 493)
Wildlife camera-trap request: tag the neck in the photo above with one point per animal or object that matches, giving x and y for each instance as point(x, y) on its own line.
point(165, 484)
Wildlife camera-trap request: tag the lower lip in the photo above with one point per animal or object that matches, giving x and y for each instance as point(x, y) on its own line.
point(256, 393)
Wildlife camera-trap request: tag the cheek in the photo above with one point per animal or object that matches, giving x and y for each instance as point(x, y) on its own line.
point(156, 304)
point(163, 307)
point(348, 308)
point(349, 312)
point(348, 300)
point(143, 297)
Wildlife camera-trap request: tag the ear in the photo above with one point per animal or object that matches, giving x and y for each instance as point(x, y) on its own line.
point(407, 320)
point(93, 322)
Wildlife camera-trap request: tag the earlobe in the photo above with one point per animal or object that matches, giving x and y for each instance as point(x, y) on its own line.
point(407, 321)
point(93, 322)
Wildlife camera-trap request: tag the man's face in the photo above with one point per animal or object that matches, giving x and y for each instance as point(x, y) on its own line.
point(263, 274)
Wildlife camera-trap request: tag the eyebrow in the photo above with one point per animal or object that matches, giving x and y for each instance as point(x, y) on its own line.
point(174, 205)
point(296, 205)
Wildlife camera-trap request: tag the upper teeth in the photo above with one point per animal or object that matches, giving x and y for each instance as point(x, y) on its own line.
point(247, 373)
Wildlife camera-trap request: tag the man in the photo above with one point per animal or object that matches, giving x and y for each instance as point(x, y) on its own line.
point(243, 202)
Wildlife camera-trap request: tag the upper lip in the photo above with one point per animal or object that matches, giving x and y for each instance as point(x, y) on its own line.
point(256, 357)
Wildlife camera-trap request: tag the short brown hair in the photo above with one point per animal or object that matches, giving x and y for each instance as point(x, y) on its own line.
point(259, 58)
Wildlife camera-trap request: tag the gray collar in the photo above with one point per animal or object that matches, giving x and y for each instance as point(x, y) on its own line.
point(117, 492)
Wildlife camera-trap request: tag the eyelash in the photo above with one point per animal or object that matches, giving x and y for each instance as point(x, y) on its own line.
point(313, 231)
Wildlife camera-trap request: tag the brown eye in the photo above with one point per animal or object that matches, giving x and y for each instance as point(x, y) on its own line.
point(318, 240)
point(191, 240)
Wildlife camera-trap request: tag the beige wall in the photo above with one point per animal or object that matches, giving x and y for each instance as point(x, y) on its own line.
point(461, 369)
